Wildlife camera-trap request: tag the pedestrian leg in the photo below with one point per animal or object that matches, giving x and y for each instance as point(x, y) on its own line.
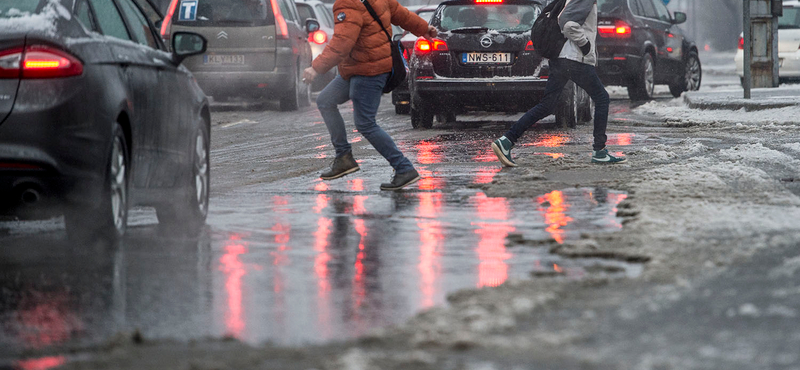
point(337, 92)
point(559, 76)
point(366, 91)
point(587, 79)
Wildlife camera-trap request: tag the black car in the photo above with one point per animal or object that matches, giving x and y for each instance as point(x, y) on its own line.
point(639, 46)
point(400, 95)
point(96, 117)
point(483, 60)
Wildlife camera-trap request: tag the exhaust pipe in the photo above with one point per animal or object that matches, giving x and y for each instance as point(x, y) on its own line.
point(29, 196)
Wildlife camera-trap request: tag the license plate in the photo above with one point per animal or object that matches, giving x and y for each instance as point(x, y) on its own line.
point(486, 58)
point(223, 59)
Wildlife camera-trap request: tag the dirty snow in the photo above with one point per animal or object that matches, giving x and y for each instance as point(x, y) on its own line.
point(43, 22)
point(675, 111)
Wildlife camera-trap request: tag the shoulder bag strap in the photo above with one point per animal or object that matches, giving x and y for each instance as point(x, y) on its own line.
point(372, 13)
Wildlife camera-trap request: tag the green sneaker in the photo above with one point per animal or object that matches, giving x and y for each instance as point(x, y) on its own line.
point(502, 149)
point(602, 156)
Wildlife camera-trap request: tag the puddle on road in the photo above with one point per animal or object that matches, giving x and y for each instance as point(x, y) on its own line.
point(309, 261)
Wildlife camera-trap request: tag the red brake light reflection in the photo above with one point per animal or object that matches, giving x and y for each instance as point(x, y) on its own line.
point(318, 37)
point(741, 43)
point(619, 29)
point(488, 1)
point(529, 46)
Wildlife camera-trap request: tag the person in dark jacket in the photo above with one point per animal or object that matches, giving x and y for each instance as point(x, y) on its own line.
point(363, 53)
point(576, 62)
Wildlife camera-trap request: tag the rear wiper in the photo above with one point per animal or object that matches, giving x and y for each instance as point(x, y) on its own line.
point(469, 30)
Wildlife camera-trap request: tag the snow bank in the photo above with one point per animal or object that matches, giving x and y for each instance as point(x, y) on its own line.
point(675, 111)
point(15, 20)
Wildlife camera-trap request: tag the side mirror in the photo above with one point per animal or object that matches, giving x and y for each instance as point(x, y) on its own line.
point(678, 18)
point(186, 44)
point(312, 25)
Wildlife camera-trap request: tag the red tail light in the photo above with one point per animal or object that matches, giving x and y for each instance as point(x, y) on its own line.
point(488, 1)
point(529, 46)
point(318, 37)
point(10, 63)
point(423, 46)
point(166, 24)
point(38, 62)
point(619, 29)
point(282, 31)
point(741, 43)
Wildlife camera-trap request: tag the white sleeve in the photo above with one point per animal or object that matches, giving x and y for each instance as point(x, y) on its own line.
point(573, 31)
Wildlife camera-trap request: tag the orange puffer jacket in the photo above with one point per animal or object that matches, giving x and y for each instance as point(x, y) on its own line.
point(359, 46)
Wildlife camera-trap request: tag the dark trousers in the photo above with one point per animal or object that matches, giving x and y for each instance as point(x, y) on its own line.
point(561, 71)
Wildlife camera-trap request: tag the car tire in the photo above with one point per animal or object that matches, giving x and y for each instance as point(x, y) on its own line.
point(421, 117)
point(644, 83)
point(402, 109)
point(292, 100)
point(187, 215)
point(566, 108)
point(692, 76)
point(108, 219)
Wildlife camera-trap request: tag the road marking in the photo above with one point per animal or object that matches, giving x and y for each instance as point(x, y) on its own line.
point(237, 123)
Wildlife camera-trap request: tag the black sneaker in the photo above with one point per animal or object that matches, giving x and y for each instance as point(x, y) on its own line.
point(341, 166)
point(401, 180)
point(602, 157)
point(502, 149)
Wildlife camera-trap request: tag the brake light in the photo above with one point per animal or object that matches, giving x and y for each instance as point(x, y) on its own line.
point(280, 22)
point(10, 63)
point(423, 46)
point(318, 37)
point(619, 29)
point(38, 62)
point(741, 43)
point(529, 46)
point(166, 24)
point(488, 1)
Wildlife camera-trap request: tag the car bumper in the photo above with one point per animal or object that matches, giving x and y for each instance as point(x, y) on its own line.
point(618, 69)
point(269, 84)
point(789, 64)
point(490, 94)
point(52, 151)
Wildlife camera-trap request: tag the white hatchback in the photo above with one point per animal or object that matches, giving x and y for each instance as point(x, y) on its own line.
point(788, 44)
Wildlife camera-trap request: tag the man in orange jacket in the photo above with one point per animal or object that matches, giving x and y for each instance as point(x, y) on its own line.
point(363, 53)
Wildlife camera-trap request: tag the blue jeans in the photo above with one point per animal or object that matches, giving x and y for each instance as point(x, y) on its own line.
point(365, 92)
point(561, 71)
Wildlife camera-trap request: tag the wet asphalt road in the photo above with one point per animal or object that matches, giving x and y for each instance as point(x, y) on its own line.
point(289, 259)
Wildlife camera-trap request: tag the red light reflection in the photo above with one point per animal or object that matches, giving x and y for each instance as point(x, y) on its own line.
point(359, 283)
point(359, 208)
point(623, 139)
point(43, 363)
point(46, 319)
point(550, 141)
point(321, 272)
point(486, 175)
point(431, 236)
point(429, 152)
point(430, 180)
point(321, 186)
point(485, 155)
point(552, 155)
point(555, 214)
point(356, 184)
point(492, 254)
point(234, 270)
point(322, 203)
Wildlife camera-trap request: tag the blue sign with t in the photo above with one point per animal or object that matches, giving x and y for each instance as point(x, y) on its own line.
point(188, 10)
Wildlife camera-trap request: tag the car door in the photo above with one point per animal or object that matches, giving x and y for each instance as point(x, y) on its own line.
point(673, 42)
point(658, 30)
point(297, 32)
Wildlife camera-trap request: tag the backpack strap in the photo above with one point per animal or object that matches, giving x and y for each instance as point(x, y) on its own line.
point(375, 16)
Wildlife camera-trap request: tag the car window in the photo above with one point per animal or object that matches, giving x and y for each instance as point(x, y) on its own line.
point(213, 13)
point(84, 14)
point(324, 16)
point(789, 19)
point(509, 18)
point(662, 11)
point(138, 24)
point(305, 12)
point(606, 6)
point(109, 19)
point(426, 15)
point(287, 11)
point(152, 14)
point(648, 9)
point(19, 8)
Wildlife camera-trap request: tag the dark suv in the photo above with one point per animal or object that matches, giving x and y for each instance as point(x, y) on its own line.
point(483, 60)
point(639, 45)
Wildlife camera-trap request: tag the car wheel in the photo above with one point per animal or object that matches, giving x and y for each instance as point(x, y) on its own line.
point(566, 108)
point(644, 83)
point(291, 101)
point(402, 109)
point(421, 117)
point(692, 77)
point(188, 214)
point(109, 219)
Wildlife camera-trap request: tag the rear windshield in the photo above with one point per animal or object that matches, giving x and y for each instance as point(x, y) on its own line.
point(19, 8)
point(606, 6)
point(506, 17)
point(305, 13)
point(790, 18)
point(211, 13)
point(426, 15)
